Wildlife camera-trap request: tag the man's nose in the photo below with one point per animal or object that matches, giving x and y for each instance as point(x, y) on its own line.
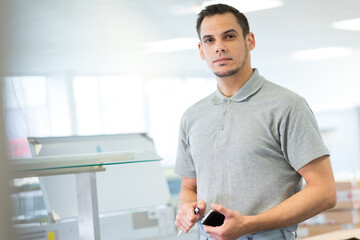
point(220, 47)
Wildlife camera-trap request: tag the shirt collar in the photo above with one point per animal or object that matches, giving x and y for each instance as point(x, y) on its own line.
point(252, 85)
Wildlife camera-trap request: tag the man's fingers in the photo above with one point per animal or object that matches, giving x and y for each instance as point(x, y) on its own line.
point(182, 225)
point(201, 204)
point(202, 207)
point(189, 216)
point(212, 230)
point(221, 209)
point(185, 220)
point(186, 226)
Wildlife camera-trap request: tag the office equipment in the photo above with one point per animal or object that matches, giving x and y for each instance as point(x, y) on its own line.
point(133, 200)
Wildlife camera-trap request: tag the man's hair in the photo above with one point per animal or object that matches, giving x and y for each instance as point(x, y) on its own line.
point(222, 9)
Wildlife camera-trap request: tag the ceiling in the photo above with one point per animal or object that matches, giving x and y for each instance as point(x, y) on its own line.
point(279, 32)
point(110, 37)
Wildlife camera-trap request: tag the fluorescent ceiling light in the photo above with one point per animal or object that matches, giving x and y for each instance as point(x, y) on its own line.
point(349, 24)
point(182, 10)
point(322, 53)
point(172, 45)
point(241, 5)
point(247, 5)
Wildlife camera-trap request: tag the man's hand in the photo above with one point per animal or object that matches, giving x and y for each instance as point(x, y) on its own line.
point(185, 218)
point(232, 228)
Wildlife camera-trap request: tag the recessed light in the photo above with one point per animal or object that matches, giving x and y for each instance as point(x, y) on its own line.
point(242, 5)
point(247, 5)
point(349, 24)
point(322, 53)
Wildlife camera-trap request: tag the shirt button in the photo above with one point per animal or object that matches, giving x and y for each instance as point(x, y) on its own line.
point(222, 127)
point(225, 113)
point(228, 102)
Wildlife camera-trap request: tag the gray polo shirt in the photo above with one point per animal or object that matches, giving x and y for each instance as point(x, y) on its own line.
point(245, 151)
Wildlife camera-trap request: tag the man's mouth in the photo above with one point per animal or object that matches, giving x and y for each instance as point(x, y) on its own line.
point(222, 60)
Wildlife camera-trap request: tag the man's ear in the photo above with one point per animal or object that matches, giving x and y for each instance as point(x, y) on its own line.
point(201, 51)
point(250, 40)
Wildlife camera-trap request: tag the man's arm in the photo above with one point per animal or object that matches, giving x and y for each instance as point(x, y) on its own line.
point(318, 195)
point(188, 192)
point(186, 219)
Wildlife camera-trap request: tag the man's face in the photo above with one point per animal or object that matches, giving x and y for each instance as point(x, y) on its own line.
point(223, 46)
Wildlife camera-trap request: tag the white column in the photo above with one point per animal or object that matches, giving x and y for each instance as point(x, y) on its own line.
point(5, 207)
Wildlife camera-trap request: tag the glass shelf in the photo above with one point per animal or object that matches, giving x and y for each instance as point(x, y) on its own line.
point(84, 167)
point(66, 164)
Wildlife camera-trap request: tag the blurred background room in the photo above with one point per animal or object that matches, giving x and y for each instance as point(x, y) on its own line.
point(114, 77)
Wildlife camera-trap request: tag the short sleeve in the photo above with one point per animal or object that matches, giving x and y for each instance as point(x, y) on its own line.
point(184, 165)
point(300, 136)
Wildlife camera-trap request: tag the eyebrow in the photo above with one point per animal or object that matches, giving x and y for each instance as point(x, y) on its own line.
point(229, 31)
point(224, 33)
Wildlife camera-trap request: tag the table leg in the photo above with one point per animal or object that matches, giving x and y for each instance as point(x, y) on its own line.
point(88, 213)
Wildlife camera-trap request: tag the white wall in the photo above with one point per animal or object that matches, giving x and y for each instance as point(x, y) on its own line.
point(341, 133)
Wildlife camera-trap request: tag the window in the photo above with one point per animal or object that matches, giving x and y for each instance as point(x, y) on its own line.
point(167, 101)
point(26, 112)
point(106, 105)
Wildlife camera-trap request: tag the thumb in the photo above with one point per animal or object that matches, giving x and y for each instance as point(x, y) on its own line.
point(202, 207)
point(221, 209)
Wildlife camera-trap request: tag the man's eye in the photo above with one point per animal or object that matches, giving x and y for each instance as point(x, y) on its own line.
point(230, 36)
point(208, 40)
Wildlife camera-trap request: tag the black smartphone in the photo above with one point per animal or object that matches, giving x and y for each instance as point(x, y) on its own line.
point(213, 218)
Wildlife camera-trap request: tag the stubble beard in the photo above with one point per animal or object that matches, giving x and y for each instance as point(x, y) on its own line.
point(236, 70)
point(229, 73)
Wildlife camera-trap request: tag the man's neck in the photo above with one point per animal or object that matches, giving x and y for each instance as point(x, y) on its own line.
point(230, 85)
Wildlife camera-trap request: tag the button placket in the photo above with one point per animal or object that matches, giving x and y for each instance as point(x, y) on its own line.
point(225, 113)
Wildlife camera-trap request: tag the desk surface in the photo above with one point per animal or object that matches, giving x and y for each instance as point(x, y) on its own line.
point(337, 235)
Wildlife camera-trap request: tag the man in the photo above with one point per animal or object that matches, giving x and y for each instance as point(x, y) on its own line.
point(245, 149)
